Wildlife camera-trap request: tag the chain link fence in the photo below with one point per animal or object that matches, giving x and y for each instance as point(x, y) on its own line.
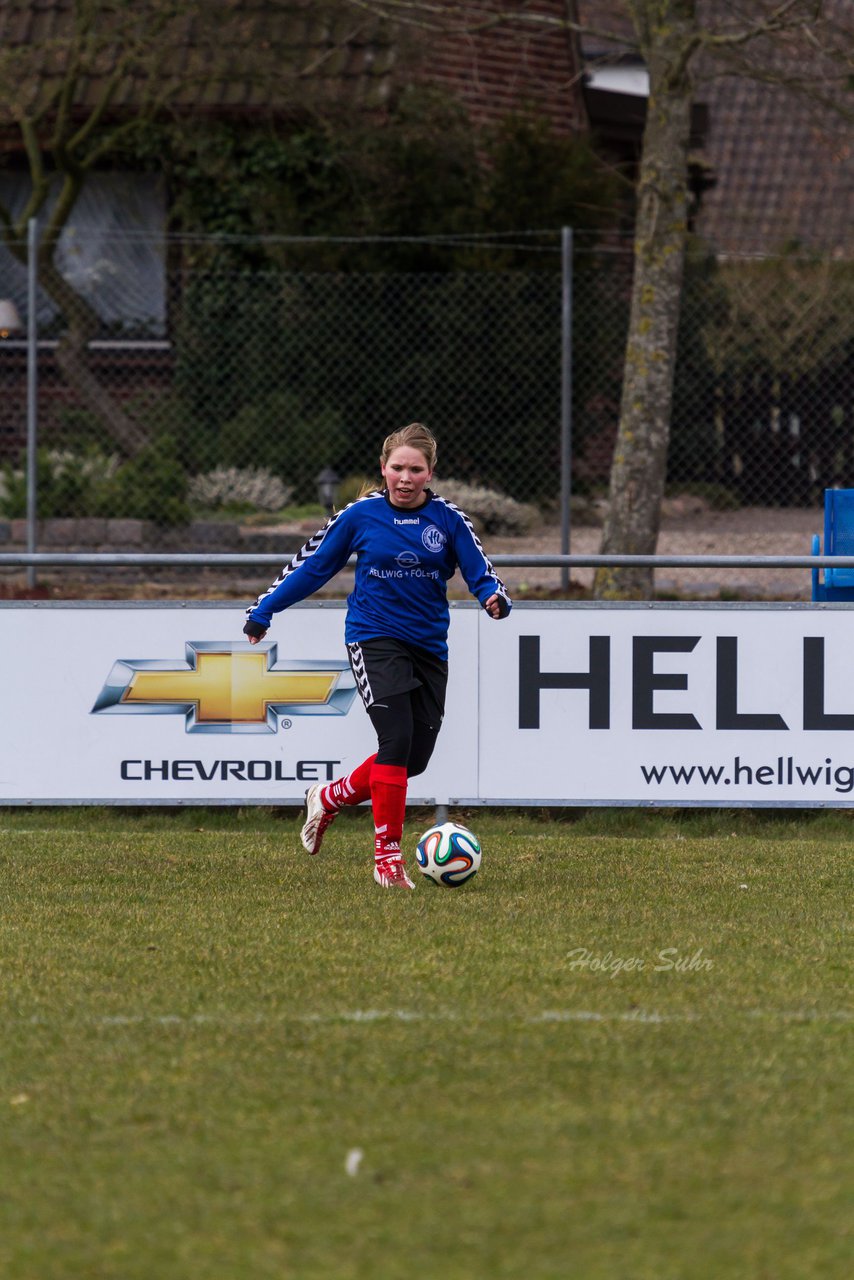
point(200, 391)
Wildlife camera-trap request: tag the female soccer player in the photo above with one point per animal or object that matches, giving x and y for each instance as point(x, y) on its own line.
point(408, 542)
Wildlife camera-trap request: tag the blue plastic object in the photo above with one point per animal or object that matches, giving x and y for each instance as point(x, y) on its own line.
point(836, 584)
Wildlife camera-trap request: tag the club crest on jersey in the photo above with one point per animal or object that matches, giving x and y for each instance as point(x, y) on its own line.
point(433, 538)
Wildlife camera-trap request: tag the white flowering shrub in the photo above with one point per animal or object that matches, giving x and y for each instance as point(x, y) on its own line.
point(248, 487)
point(68, 483)
point(92, 467)
point(492, 511)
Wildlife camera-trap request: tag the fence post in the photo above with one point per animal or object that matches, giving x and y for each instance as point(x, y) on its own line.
point(32, 393)
point(565, 398)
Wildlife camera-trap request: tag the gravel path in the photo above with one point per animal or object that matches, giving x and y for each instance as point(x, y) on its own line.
point(752, 531)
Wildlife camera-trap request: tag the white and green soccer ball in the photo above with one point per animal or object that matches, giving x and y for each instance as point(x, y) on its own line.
point(448, 854)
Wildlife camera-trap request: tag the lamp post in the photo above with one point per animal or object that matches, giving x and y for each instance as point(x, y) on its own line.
point(327, 485)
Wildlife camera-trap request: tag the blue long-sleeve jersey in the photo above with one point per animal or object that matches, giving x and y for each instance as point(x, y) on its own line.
point(403, 562)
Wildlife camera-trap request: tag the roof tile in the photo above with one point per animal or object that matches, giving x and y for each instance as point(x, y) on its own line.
point(782, 163)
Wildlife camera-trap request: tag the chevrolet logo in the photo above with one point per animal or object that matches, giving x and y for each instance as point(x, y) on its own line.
point(227, 688)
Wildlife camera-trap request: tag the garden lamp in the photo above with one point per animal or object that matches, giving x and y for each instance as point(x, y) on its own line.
point(327, 484)
point(9, 318)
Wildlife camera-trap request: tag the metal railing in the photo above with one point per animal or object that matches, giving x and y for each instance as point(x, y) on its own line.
point(190, 559)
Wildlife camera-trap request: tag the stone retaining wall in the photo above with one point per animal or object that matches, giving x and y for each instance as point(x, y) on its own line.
point(95, 534)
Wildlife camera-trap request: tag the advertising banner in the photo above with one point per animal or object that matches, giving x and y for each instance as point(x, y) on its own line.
point(560, 704)
point(156, 705)
point(669, 704)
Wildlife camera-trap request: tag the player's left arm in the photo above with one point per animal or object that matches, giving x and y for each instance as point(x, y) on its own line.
point(482, 580)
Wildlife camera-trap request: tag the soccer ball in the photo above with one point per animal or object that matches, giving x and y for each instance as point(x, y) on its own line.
point(448, 854)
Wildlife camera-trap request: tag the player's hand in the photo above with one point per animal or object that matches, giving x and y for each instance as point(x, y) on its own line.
point(256, 639)
point(496, 607)
point(254, 632)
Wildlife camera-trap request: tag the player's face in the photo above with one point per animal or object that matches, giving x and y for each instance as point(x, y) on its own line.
point(406, 473)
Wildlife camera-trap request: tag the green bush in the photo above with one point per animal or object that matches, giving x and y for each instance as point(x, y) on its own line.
point(353, 486)
point(168, 416)
point(68, 483)
point(277, 434)
point(228, 346)
point(86, 430)
point(494, 417)
point(152, 486)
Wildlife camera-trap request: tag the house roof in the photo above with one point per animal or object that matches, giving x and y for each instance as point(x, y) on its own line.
point(783, 166)
point(510, 65)
point(212, 54)
point(782, 162)
point(275, 55)
point(784, 172)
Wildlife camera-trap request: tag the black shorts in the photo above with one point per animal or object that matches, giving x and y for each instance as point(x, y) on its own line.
point(384, 666)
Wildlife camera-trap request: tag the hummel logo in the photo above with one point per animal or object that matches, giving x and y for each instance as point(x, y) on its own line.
point(413, 520)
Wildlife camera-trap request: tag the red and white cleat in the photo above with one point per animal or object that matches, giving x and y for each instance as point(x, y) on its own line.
point(390, 873)
point(317, 819)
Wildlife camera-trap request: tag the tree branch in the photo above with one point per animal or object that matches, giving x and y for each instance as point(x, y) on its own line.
point(449, 18)
point(96, 115)
point(68, 89)
point(39, 181)
point(774, 24)
point(59, 214)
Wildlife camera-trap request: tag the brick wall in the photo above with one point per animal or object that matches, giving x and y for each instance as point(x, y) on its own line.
point(95, 534)
point(510, 65)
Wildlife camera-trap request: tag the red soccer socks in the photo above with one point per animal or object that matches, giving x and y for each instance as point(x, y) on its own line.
point(388, 800)
point(352, 789)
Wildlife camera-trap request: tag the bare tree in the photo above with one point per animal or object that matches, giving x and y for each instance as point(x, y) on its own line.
point(680, 41)
point(72, 99)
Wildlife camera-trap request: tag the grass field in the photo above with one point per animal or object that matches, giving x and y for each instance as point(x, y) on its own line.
point(624, 1050)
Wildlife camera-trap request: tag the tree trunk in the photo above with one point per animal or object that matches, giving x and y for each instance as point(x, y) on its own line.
point(639, 466)
point(72, 356)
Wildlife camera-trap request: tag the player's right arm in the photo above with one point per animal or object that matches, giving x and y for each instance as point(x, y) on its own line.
point(314, 564)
